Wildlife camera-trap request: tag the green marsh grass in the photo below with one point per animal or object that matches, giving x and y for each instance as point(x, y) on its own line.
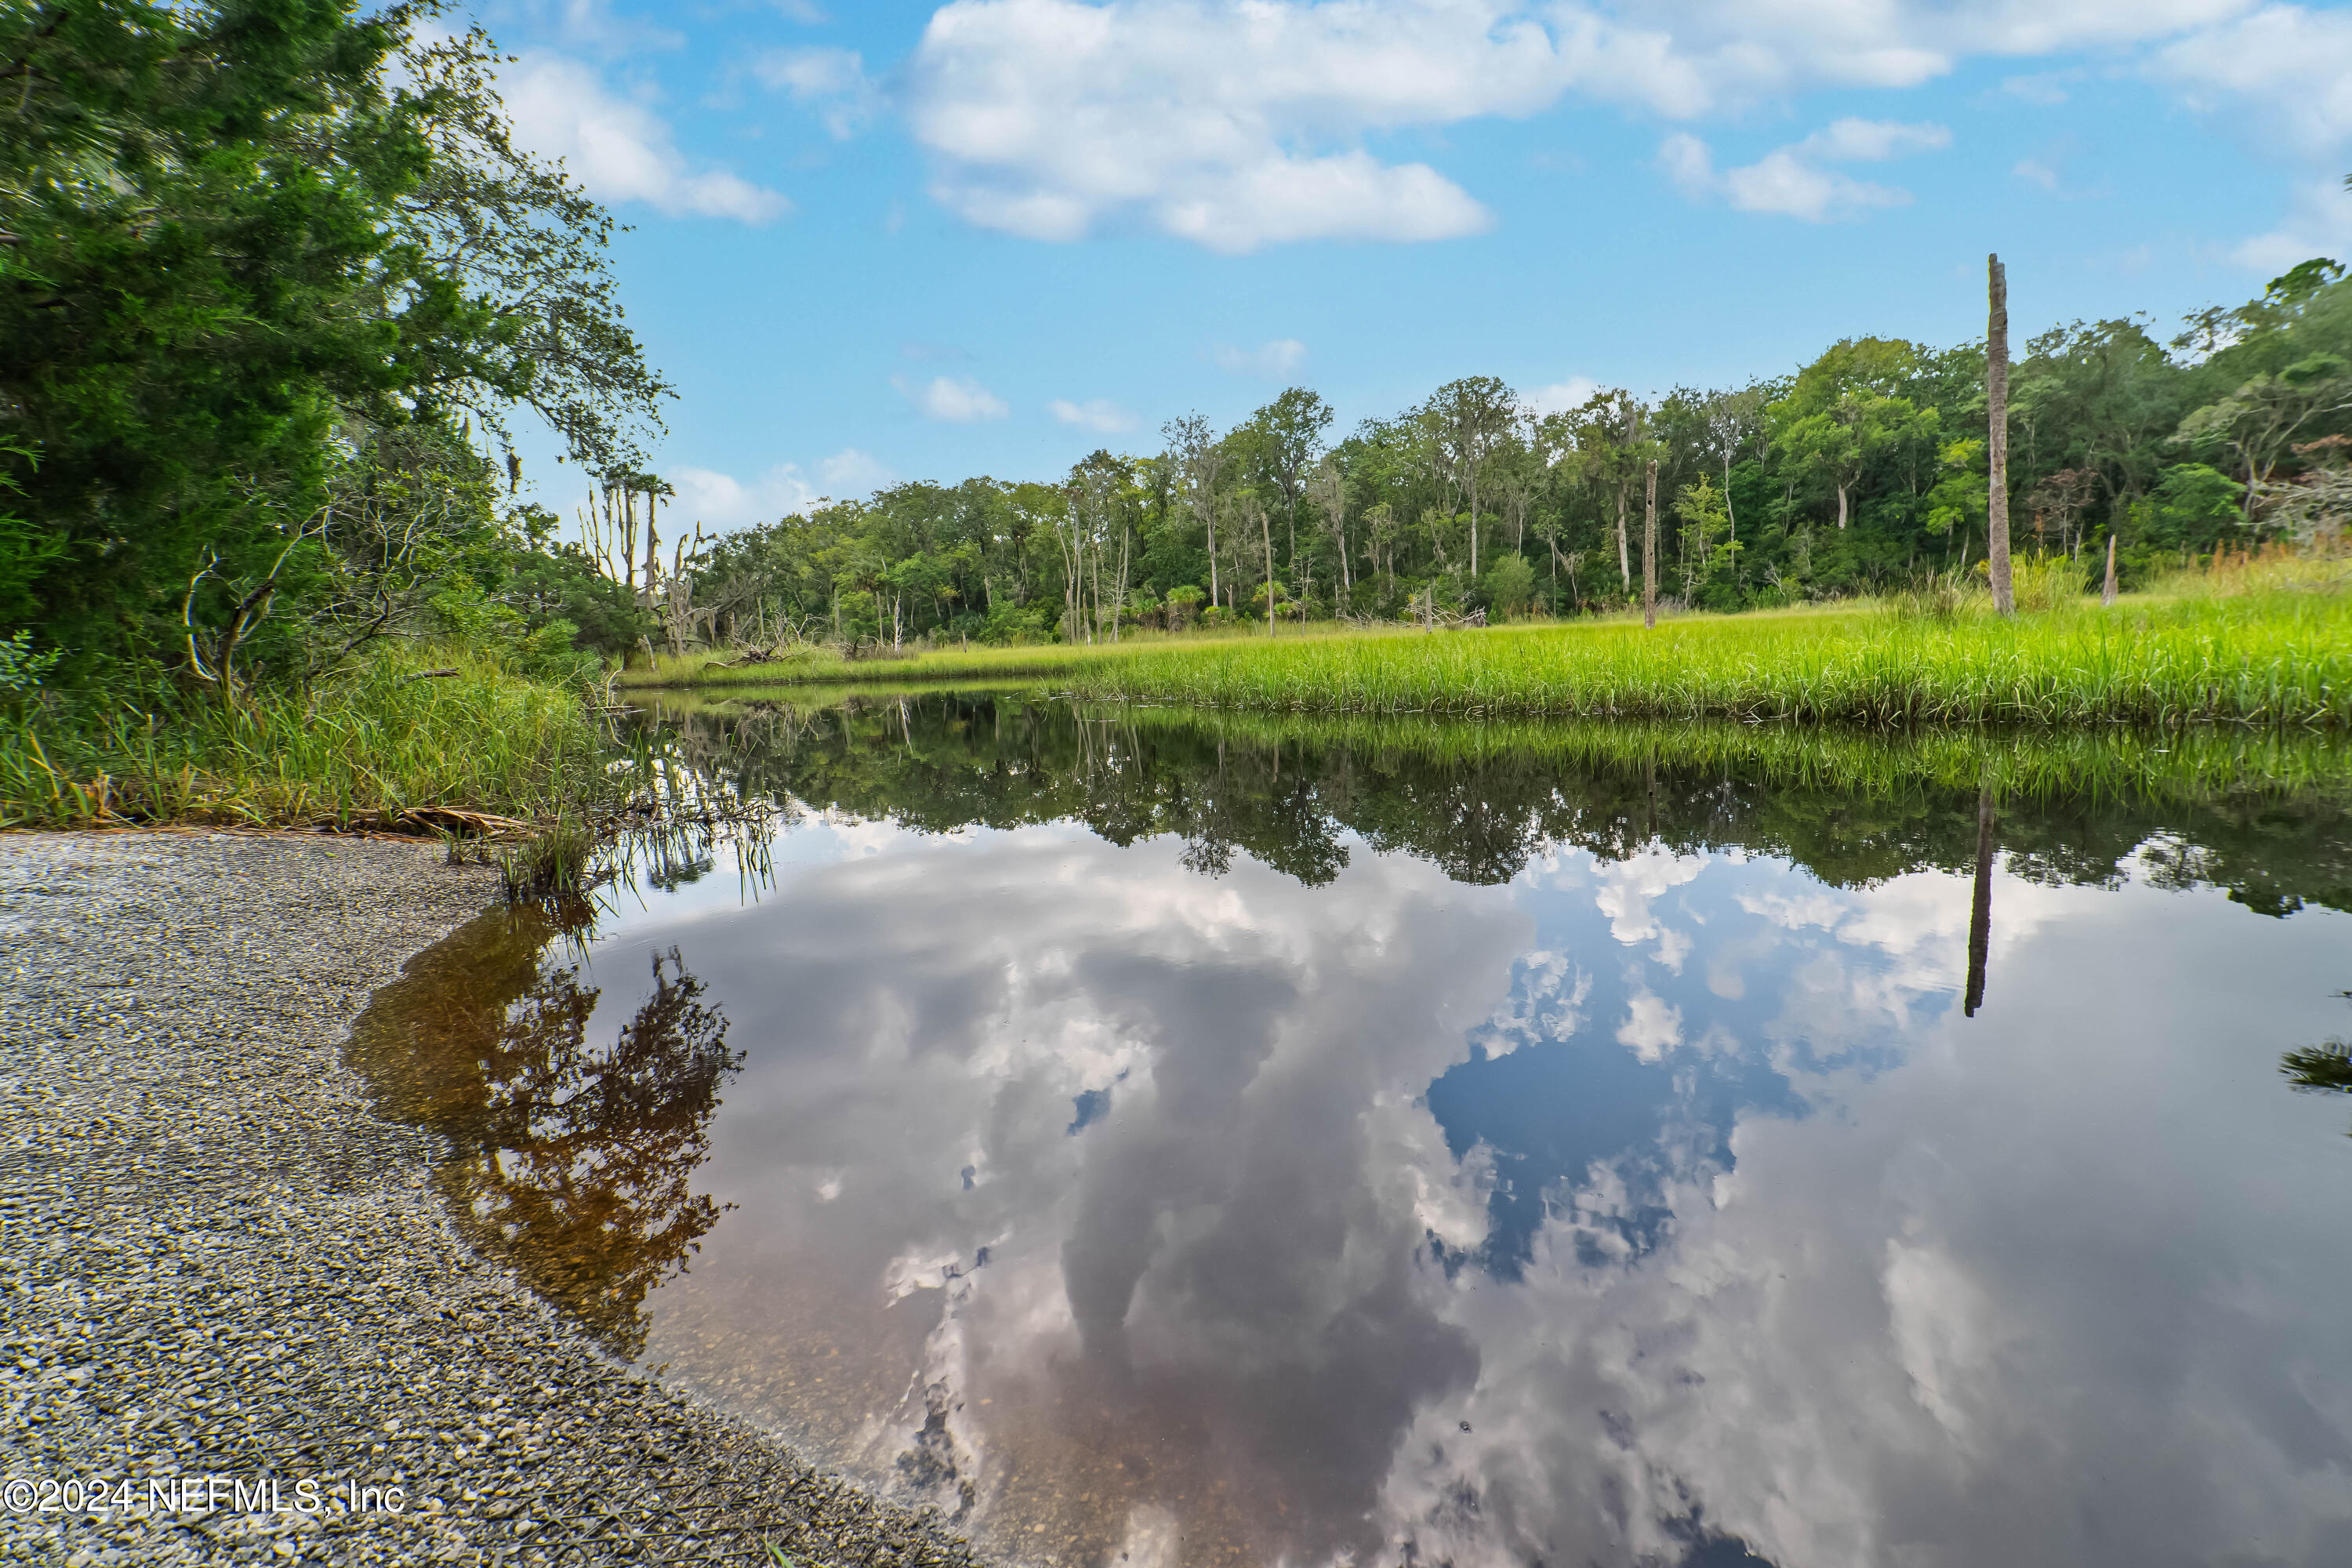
point(824, 666)
point(2264, 639)
point(364, 748)
point(2272, 657)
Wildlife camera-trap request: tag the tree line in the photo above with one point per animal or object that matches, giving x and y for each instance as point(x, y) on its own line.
point(1864, 470)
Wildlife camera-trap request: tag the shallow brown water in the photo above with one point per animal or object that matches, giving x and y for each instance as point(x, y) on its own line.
point(1177, 1144)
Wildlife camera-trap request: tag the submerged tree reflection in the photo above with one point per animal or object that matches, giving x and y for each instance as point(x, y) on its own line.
point(573, 1160)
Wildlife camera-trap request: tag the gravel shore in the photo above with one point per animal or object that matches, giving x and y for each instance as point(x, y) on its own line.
point(217, 1262)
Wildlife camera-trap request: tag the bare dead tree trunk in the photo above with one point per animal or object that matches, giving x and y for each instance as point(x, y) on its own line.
point(1473, 519)
point(1119, 608)
point(653, 550)
point(1625, 562)
point(2107, 590)
point(1094, 631)
point(1297, 567)
point(1650, 550)
point(1981, 906)
point(1731, 521)
point(1211, 513)
point(2004, 598)
point(1265, 532)
point(628, 532)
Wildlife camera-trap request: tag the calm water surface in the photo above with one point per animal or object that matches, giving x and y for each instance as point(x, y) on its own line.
point(1165, 1142)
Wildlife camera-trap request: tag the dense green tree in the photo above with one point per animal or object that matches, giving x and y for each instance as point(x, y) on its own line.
point(199, 275)
point(244, 257)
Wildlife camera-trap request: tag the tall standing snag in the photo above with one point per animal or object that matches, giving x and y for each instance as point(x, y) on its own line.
point(1650, 550)
point(1265, 537)
point(1996, 434)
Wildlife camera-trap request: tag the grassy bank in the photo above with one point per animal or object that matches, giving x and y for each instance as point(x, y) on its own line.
point(2267, 642)
point(382, 745)
point(2277, 657)
point(822, 665)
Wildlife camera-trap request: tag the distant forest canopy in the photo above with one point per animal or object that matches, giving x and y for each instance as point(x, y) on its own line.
point(1864, 470)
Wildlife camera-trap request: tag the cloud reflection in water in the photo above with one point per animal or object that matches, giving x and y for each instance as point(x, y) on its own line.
point(1628, 1206)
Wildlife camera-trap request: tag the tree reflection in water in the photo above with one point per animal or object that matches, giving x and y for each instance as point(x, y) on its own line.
point(2263, 818)
point(573, 1160)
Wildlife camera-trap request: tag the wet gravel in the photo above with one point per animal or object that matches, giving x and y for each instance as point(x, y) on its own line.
point(217, 1266)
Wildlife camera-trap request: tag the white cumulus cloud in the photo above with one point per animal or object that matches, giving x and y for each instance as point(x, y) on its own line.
point(1095, 414)
point(1270, 361)
point(1239, 123)
point(1560, 396)
point(832, 81)
point(1232, 125)
point(1795, 181)
point(850, 470)
point(619, 148)
point(953, 399)
point(721, 501)
point(2283, 71)
point(2320, 224)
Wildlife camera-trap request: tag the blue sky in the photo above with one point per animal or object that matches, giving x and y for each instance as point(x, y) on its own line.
point(897, 240)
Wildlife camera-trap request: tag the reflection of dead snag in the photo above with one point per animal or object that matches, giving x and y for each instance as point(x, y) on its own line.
point(1980, 901)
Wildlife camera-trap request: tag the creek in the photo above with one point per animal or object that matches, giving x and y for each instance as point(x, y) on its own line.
point(1159, 1138)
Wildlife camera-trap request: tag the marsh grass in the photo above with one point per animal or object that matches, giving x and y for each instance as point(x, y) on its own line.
point(822, 665)
point(2264, 655)
point(372, 748)
point(2262, 639)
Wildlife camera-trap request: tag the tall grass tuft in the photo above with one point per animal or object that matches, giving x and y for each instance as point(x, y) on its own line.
point(380, 745)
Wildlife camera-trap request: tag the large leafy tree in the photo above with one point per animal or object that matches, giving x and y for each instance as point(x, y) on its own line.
point(521, 240)
point(1283, 441)
point(237, 262)
point(199, 276)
